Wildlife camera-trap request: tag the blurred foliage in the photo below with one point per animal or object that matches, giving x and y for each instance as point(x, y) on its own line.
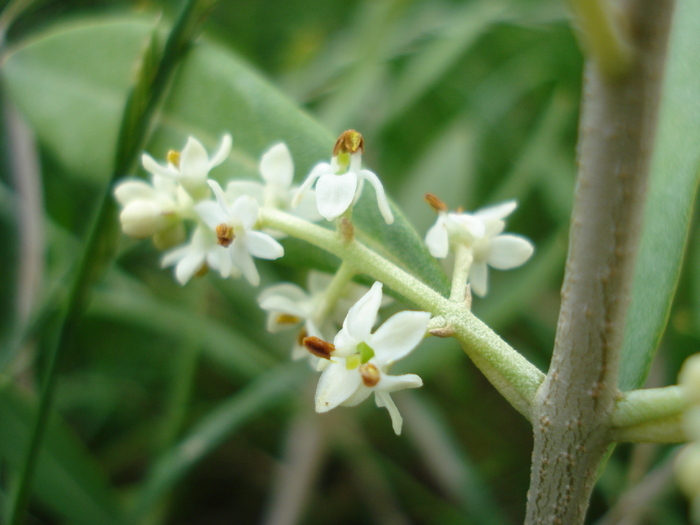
point(175, 406)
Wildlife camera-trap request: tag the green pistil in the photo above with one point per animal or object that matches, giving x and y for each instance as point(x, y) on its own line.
point(365, 351)
point(352, 362)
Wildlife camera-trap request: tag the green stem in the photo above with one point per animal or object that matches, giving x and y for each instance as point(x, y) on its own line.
point(334, 291)
point(460, 274)
point(513, 375)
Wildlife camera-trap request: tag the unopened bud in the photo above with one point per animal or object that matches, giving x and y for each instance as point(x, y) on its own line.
point(173, 158)
point(350, 141)
point(436, 204)
point(687, 467)
point(142, 218)
point(370, 375)
point(319, 347)
point(689, 378)
point(224, 235)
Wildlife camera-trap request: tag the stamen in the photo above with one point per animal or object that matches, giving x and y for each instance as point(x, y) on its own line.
point(173, 158)
point(301, 336)
point(287, 319)
point(349, 141)
point(319, 347)
point(224, 234)
point(435, 203)
point(370, 375)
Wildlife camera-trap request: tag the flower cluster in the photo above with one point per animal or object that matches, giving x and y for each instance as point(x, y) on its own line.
point(480, 234)
point(226, 234)
point(688, 462)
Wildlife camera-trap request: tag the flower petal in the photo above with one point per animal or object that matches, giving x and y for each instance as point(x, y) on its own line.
point(307, 207)
point(188, 266)
point(237, 188)
point(389, 383)
point(194, 161)
point(334, 194)
point(363, 314)
point(153, 167)
point(222, 152)
point(211, 213)
point(244, 262)
point(318, 170)
point(383, 399)
point(219, 194)
point(173, 256)
point(399, 334)
point(336, 385)
point(245, 209)
point(263, 246)
point(382, 201)
point(509, 251)
point(287, 291)
point(276, 166)
point(437, 239)
point(478, 278)
point(133, 189)
point(497, 212)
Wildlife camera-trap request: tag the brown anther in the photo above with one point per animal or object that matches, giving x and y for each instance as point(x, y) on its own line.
point(224, 234)
point(287, 319)
point(202, 271)
point(349, 142)
point(434, 202)
point(318, 347)
point(347, 230)
point(173, 158)
point(301, 336)
point(370, 375)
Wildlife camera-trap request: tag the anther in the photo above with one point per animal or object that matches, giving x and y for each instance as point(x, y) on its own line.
point(224, 235)
point(434, 202)
point(318, 347)
point(370, 375)
point(287, 319)
point(173, 158)
point(349, 141)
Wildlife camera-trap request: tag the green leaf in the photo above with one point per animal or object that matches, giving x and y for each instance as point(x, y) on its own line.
point(67, 478)
point(76, 116)
point(668, 213)
point(269, 390)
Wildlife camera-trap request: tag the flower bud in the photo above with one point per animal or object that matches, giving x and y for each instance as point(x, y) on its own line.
point(689, 378)
point(687, 467)
point(142, 218)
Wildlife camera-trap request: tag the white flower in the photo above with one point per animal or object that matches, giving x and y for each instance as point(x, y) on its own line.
point(190, 167)
point(340, 182)
point(481, 233)
point(360, 360)
point(150, 208)
point(234, 230)
point(277, 170)
point(200, 254)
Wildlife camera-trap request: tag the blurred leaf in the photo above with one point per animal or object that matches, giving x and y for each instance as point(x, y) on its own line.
point(221, 423)
point(213, 92)
point(67, 479)
point(674, 178)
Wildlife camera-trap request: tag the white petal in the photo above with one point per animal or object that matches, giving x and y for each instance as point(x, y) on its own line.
point(211, 213)
point(244, 262)
point(382, 201)
point(173, 256)
point(188, 266)
point(153, 167)
point(389, 383)
point(363, 314)
point(437, 239)
point(285, 305)
point(317, 282)
point(497, 212)
point(318, 170)
point(219, 259)
point(400, 334)
point(245, 209)
point(222, 152)
point(287, 291)
point(219, 194)
point(307, 207)
point(336, 385)
point(358, 396)
point(478, 278)
point(345, 344)
point(509, 251)
point(194, 162)
point(133, 189)
point(263, 246)
point(383, 399)
point(237, 188)
point(276, 166)
point(334, 194)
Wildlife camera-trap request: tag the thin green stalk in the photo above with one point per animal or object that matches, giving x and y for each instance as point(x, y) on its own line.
point(334, 291)
point(460, 274)
point(140, 107)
